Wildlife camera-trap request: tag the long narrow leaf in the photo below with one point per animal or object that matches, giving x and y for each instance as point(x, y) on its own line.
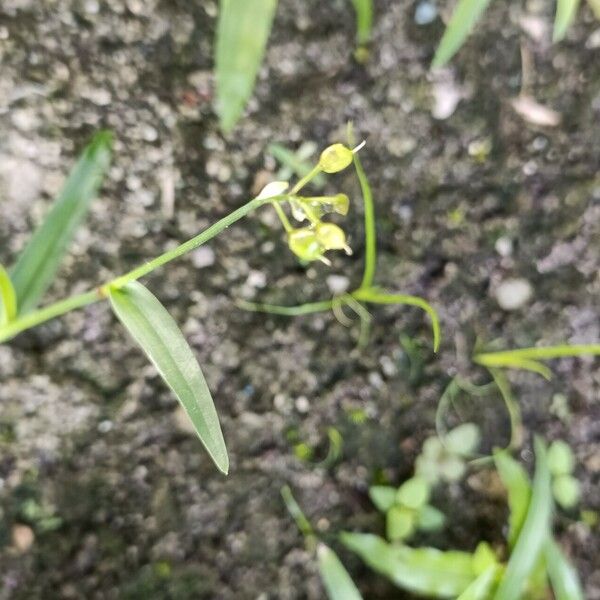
point(338, 583)
point(563, 576)
point(534, 533)
point(39, 261)
point(364, 20)
point(157, 334)
point(465, 16)
point(424, 571)
point(517, 485)
point(566, 10)
point(8, 298)
point(242, 33)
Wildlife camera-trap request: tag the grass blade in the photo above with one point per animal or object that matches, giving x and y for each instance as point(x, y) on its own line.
point(563, 577)
point(566, 10)
point(338, 583)
point(465, 16)
point(534, 533)
point(364, 20)
point(424, 571)
point(157, 334)
point(36, 267)
point(8, 298)
point(516, 482)
point(242, 33)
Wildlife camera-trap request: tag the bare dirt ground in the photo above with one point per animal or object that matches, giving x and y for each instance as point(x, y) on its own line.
point(95, 458)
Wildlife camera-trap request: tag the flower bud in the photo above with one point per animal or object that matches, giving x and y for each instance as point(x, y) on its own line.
point(331, 237)
point(275, 188)
point(340, 204)
point(335, 158)
point(304, 244)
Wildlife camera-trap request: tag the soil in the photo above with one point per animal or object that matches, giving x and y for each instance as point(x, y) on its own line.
point(96, 460)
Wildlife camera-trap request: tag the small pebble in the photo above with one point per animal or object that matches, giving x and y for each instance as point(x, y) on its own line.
point(513, 294)
point(338, 284)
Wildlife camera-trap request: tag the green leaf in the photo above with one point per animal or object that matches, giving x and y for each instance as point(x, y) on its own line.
point(566, 490)
point(159, 337)
point(465, 16)
point(400, 523)
point(424, 571)
point(563, 577)
point(566, 10)
point(364, 20)
point(383, 496)
point(463, 440)
point(242, 33)
point(534, 533)
point(413, 493)
point(8, 298)
point(482, 587)
point(37, 265)
point(338, 583)
point(517, 485)
point(430, 518)
point(561, 460)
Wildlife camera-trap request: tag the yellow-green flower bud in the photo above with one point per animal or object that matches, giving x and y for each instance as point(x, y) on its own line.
point(304, 244)
point(335, 158)
point(331, 237)
point(341, 204)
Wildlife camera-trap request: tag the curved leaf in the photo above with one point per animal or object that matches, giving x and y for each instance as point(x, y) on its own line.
point(420, 570)
point(534, 532)
point(242, 33)
point(517, 485)
point(8, 298)
point(155, 331)
point(465, 16)
point(38, 263)
point(338, 583)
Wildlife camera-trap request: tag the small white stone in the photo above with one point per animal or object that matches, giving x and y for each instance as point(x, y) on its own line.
point(504, 246)
point(338, 284)
point(302, 404)
point(203, 257)
point(513, 294)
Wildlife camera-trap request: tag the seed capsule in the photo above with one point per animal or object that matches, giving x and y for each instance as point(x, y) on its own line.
point(304, 244)
point(332, 237)
point(335, 158)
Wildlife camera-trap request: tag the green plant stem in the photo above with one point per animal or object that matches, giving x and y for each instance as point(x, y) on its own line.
point(306, 179)
point(286, 311)
point(376, 297)
point(370, 231)
point(57, 309)
point(42, 315)
point(507, 357)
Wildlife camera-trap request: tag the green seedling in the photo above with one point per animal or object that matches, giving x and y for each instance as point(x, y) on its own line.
point(443, 457)
point(534, 557)
point(535, 563)
point(467, 14)
point(141, 313)
point(310, 243)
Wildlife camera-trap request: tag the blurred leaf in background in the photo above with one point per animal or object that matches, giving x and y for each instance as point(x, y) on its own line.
point(37, 265)
point(242, 33)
